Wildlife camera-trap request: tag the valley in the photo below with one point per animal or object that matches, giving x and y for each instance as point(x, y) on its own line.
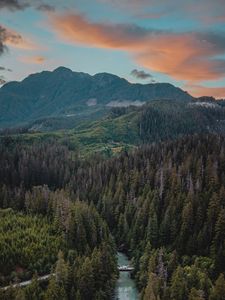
point(149, 177)
point(163, 202)
point(112, 150)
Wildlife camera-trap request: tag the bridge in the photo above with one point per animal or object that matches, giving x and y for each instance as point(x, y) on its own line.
point(125, 268)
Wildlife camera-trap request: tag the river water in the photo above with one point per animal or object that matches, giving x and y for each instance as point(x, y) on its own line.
point(125, 287)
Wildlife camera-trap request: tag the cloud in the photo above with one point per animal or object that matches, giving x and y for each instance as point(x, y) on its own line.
point(144, 15)
point(2, 80)
point(5, 69)
point(33, 59)
point(8, 36)
point(188, 56)
point(14, 5)
point(11, 38)
point(15, 40)
point(3, 37)
point(75, 28)
point(46, 7)
point(203, 11)
point(129, 4)
point(140, 74)
point(199, 90)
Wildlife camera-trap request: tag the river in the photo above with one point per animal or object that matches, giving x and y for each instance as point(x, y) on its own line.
point(125, 287)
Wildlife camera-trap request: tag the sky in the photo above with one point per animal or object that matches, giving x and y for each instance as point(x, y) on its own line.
point(144, 41)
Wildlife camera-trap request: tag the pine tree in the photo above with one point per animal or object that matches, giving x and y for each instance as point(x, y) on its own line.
point(178, 285)
point(20, 294)
point(33, 290)
point(218, 291)
point(86, 280)
point(54, 291)
point(196, 295)
point(61, 271)
point(152, 291)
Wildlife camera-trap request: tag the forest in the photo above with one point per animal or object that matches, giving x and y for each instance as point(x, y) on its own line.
point(126, 127)
point(163, 204)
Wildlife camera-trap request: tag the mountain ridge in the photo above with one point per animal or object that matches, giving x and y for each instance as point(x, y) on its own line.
point(64, 92)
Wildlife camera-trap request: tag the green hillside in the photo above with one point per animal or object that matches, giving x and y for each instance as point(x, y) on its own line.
point(123, 128)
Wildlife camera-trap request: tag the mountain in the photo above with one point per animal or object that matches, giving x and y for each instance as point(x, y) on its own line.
point(64, 93)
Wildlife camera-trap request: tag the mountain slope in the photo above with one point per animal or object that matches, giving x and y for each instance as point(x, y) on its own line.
point(66, 93)
point(133, 126)
point(155, 121)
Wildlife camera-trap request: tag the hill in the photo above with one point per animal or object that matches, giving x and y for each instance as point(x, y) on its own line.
point(132, 126)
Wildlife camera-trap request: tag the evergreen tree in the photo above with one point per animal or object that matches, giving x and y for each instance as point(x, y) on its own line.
point(33, 290)
point(218, 291)
point(178, 285)
point(196, 295)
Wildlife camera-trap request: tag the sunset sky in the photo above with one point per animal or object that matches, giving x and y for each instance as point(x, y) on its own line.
point(181, 42)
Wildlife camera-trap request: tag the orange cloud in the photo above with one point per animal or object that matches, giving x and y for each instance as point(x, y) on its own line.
point(199, 90)
point(33, 59)
point(75, 28)
point(13, 39)
point(188, 56)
